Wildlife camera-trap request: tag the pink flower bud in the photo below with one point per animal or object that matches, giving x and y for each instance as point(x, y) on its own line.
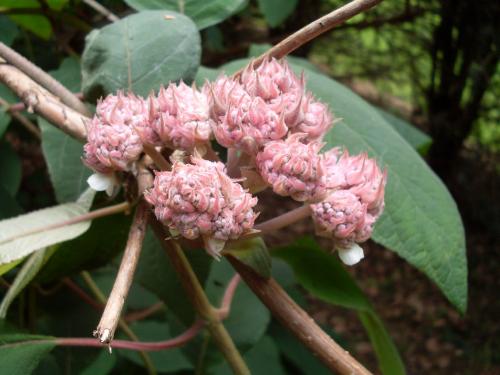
point(181, 118)
point(111, 147)
point(271, 80)
point(248, 127)
point(341, 216)
point(199, 199)
point(123, 109)
point(365, 179)
point(293, 168)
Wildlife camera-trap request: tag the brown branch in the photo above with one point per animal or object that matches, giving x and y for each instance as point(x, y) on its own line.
point(298, 322)
point(101, 9)
point(314, 29)
point(23, 120)
point(44, 103)
point(176, 342)
point(44, 79)
point(198, 298)
point(284, 220)
point(111, 315)
point(16, 107)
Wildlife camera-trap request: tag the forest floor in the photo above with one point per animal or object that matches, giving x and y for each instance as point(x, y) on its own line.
point(432, 337)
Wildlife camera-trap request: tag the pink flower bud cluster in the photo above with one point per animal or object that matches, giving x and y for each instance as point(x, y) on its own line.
point(200, 199)
point(265, 104)
point(293, 168)
point(179, 118)
point(112, 143)
point(355, 201)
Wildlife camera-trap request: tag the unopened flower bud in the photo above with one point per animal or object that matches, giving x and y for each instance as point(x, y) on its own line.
point(199, 199)
point(111, 147)
point(293, 168)
point(182, 117)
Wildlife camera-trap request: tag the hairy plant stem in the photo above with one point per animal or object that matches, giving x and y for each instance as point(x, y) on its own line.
point(314, 29)
point(298, 322)
point(157, 158)
point(101, 9)
point(87, 278)
point(284, 220)
point(106, 328)
point(44, 79)
point(200, 301)
point(44, 103)
point(178, 341)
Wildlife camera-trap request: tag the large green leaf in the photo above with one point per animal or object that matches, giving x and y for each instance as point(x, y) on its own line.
point(421, 221)
point(8, 204)
point(37, 24)
point(276, 11)
point(21, 353)
point(203, 13)
point(415, 137)
point(323, 275)
point(22, 235)
point(10, 98)
point(139, 53)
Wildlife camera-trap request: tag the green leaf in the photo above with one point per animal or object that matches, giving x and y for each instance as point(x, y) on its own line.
point(102, 365)
point(88, 251)
point(69, 74)
point(263, 358)
point(203, 13)
point(139, 53)
point(37, 24)
point(155, 273)
point(253, 252)
point(21, 353)
point(276, 11)
point(8, 31)
point(23, 278)
point(248, 318)
point(163, 361)
point(4, 268)
point(388, 357)
point(10, 168)
point(22, 235)
point(421, 221)
point(323, 276)
point(63, 155)
point(415, 137)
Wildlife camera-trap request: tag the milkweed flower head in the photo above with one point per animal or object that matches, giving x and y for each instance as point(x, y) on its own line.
point(265, 104)
point(293, 168)
point(180, 117)
point(200, 200)
point(354, 203)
